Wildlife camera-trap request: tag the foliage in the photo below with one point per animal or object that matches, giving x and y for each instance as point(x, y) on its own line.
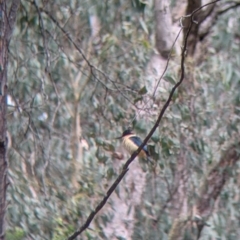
point(15, 234)
point(53, 91)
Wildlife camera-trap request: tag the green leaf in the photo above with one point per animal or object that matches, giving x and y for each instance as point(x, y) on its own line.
point(99, 141)
point(15, 234)
point(138, 5)
point(142, 91)
point(138, 99)
point(102, 159)
point(109, 147)
point(144, 25)
point(155, 138)
point(110, 173)
point(170, 79)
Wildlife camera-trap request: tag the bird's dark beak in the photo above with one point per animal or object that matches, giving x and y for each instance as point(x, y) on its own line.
point(119, 137)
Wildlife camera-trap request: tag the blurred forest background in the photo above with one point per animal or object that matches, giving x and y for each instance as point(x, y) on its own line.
point(82, 71)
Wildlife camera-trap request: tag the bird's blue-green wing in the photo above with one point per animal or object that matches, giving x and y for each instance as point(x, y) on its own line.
point(137, 140)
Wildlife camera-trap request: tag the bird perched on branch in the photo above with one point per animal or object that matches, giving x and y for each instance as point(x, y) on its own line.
point(131, 143)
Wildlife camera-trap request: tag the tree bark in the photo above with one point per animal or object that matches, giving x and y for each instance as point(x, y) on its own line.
point(3, 95)
point(124, 203)
point(193, 36)
point(163, 19)
point(7, 22)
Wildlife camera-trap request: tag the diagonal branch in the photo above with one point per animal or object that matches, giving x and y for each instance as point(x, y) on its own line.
point(231, 6)
point(214, 183)
point(134, 155)
point(126, 165)
point(208, 194)
point(215, 14)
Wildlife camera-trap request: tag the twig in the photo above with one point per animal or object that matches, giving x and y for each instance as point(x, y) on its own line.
point(90, 65)
point(166, 67)
point(43, 36)
point(11, 18)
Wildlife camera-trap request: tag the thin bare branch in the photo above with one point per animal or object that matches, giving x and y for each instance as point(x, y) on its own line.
point(204, 14)
point(43, 36)
point(11, 19)
point(216, 13)
point(232, 5)
point(166, 67)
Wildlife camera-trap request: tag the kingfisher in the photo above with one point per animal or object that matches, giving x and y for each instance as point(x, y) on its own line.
point(131, 143)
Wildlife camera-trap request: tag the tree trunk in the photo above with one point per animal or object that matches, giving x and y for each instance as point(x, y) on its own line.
point(7, 22)
point(193, 36)
point(3, 95)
